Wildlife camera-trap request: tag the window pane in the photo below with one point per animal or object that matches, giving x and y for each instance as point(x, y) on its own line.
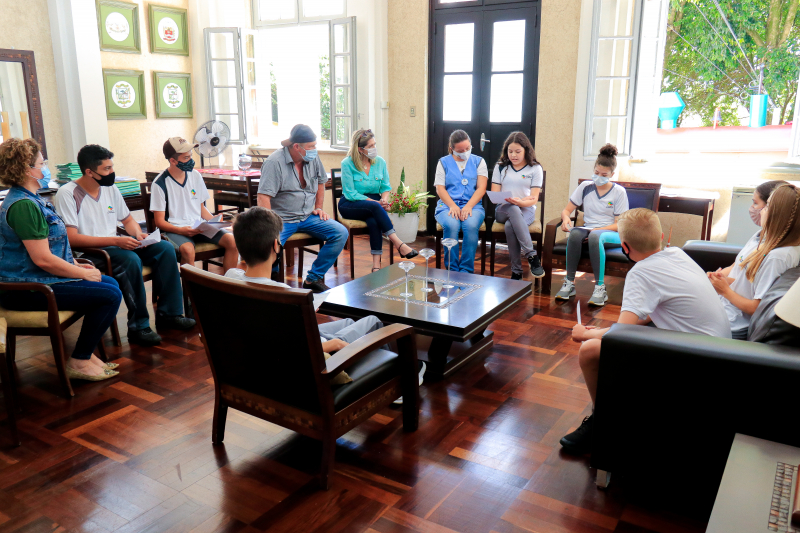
point(343, 130)
point(608, 130)
point(457, 98)
point(224, 73)
point(508, 45)
point(611, 97)
point(505, 104)
point(342, 68)
point(249, 46)
point(459, 43)
point(343, 100)
point(225, 101)
point(341, 38)
point(616, 18)
point(251, 73)
point(221, 45)
point(233, 123)
point(323, 8)
point(613, 57)
point(275, 10)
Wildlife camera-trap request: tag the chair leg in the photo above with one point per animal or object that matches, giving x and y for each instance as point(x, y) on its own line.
point(115, 333)
point(57, 342)
point(483, 256)
point(101, 347)
point(205, 266)
point(438, 251)
point(391, 253)
point(547, 280)
point(218, 424)
point(282, 268)
point(352, 256)
point(9, 392)
point(491, 256)
point(328, 457)
point(300, 256)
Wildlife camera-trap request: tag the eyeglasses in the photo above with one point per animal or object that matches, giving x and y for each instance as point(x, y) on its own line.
point(44, 164)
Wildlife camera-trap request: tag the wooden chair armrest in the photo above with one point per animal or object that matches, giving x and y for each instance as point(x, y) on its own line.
point(556, 222)
point(366, 344)
point(98, 251)
point(52, 306)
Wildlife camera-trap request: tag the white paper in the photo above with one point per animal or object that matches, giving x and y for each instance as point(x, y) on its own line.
point(579, 227)
point(318, 299)
point(579, 312)
point(153, 238)
point(499, 197)
point(208, 228)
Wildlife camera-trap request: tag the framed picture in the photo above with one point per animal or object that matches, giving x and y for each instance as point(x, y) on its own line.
point(124, 94)
point(169, 30)
point(173, 94)
point(118, 24)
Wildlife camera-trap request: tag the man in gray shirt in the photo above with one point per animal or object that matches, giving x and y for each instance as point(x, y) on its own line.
point(293, 186)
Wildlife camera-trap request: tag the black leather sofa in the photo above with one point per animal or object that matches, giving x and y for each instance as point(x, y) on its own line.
point(669, 403)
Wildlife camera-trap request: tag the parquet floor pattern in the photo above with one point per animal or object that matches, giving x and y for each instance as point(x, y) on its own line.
point(134, 454)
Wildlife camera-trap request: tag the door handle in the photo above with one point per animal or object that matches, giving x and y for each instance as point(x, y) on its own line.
point(484, 140)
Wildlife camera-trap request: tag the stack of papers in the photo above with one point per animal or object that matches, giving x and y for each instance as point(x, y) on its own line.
point(210, 227)
point(128, 186)
point(68, 172)
point(151, 239)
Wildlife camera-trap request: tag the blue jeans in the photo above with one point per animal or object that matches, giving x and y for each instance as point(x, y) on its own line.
point(470, 230)
point(330, 231)
point(373, 213)
point(98, 301)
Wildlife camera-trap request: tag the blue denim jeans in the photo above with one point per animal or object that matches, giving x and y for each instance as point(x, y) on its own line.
point(331, 232)
point(98, 301)
point(373, 213)
point(465, 262)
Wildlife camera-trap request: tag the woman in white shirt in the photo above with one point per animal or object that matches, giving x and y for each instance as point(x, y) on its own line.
point(768, 254)
point(519, 173)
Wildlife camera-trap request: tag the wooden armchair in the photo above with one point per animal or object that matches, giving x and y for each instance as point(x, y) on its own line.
point(50, 323)
point(275, 369)
point(9, 390)
point(554, 254)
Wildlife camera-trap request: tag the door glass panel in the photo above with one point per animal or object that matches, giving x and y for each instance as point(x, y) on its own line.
point(506, 100)
point(221, 45)
point(224, 73)
point(616, 18)
point(225, 101)
point(613, 57)
point(343, 100)
point(611, 97)
point(459, 44)
point(342, 68)
point(608, 130)
point(508, 45)
point(342, 128)
point(341, 39)
point(457, 98)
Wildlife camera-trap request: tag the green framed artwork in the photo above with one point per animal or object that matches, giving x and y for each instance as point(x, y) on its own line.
point(118, 24)
point(173, 94)
point(125, 98)
point(169, 30)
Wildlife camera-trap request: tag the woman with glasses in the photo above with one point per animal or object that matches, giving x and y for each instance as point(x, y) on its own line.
point(34, 248)
point(365, 195)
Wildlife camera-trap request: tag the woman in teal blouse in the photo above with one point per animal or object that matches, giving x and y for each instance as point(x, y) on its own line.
point(365, 195)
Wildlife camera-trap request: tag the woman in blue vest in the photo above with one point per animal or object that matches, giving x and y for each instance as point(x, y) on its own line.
point(460, 181)
point(34, 248)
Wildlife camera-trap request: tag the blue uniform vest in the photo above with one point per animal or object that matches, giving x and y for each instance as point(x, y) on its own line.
point(16, 264)
point(453, 180)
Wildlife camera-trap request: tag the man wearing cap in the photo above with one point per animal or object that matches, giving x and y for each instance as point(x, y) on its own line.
point(293, 185)
point(91, 207)
point(178, 200)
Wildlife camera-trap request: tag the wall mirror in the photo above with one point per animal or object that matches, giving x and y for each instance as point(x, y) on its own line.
point(20, 106)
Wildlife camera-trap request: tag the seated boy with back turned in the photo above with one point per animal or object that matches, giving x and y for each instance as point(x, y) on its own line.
point(664, 286)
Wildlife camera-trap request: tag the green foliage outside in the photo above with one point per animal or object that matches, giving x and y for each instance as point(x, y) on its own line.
point(769, 34)
point(274, 91)
point(325, 97)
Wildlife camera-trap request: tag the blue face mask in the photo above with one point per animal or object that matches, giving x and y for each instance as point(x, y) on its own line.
point(44, 181)
point(187, 166)
point(310, 155)
point(600, 180)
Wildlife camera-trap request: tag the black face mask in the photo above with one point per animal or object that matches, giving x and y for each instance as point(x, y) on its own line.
point(106, 181)
point(626, 255)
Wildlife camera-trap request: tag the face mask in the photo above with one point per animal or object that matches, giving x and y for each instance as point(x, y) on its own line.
point(106, 181)
point(372, 153)
point(186, 166)
point(755, 215)
point(310, 155)
point(463, 156)
point(626, 253)
point(600, 180)
point(44, 181)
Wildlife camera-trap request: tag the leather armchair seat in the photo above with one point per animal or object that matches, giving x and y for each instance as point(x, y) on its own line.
point(368, 374)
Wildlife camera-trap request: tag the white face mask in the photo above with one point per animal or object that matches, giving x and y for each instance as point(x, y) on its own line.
point(463, 156)
point(600, 180)
point(372, 153)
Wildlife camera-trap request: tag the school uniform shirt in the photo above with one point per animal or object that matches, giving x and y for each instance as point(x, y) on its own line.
point(439, 177)
point(95, 217)
point(185, 200)
point(599, 211)
point(776, 263)
point(519, 182)
point(675, 292)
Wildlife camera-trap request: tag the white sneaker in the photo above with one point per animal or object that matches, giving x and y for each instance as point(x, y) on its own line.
point(599, 296)
point(567, 290)
point(399, 401)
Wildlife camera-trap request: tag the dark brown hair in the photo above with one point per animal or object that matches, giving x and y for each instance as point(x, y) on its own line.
point(16, 158)
point(766, 188)
point(607, 157)
point(255, 231)
point(455, 138)
point(522, 140)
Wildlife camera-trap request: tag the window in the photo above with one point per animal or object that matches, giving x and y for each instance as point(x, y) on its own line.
point(612, 75)
point(277, 12)
point(225, 87)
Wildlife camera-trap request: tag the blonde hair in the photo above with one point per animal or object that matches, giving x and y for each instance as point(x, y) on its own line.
point(359, 140)
point(640, 229)
point(16, 159)
point(780, 229)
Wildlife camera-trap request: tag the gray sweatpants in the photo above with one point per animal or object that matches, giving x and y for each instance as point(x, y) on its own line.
point(518, 236)
point(596, 255)
point(348, 329)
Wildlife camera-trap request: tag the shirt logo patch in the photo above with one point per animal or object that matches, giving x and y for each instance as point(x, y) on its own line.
point(110, 209)
point(610, 204)
point(194, 193)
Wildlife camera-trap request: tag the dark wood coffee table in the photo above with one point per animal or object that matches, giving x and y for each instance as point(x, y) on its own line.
point(450, 323)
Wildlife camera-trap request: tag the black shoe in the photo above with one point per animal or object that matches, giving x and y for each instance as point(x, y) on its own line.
point(536, 266)
point(316, 286)
point(516, 276)
point(410, 255)
point(144, 337)
point(174, 322)
point(579, 442)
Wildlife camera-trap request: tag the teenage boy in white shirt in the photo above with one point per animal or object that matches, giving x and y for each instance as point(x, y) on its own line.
point(178, 200)
point(664, 286)
point(91, 206)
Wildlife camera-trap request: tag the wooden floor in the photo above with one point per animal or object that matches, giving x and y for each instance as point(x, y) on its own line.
point(134, 454)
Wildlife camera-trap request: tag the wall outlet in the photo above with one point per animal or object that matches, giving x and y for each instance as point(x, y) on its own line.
point(413, 111)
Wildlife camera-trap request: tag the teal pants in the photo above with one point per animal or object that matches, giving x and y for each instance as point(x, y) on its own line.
point(598, 242)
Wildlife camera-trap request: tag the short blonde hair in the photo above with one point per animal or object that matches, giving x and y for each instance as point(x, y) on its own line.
point(640, 229)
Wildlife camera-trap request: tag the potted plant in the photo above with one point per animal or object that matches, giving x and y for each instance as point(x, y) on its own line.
point(404, 206)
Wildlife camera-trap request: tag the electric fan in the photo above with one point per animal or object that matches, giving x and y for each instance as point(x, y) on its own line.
point(212, 138)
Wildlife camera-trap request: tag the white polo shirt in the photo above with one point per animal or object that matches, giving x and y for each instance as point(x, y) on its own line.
point(185, 200)
point(95, 217)
point(599, 211)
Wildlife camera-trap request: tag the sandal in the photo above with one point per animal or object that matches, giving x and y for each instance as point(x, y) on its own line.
point(375, 269)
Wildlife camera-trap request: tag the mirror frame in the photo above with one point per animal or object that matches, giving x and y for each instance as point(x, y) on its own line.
point(25, 57)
